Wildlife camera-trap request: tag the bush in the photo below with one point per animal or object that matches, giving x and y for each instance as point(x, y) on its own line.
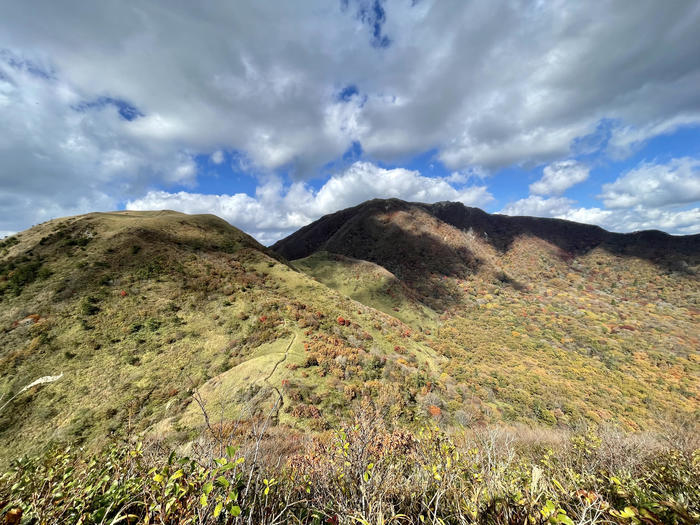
point(367, 472)
point(22, 274)
point(89, 305)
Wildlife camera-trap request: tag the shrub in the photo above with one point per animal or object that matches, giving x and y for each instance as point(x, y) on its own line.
point(89, 305)
point(365, 472)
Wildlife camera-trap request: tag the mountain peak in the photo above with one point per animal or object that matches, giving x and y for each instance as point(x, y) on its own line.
point(498, 230)
point(420, 242)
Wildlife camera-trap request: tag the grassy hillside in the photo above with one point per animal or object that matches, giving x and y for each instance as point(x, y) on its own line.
point(369, 284)
point(539, 326)
point(483, 383)
point(138, 311)
point(152, 316)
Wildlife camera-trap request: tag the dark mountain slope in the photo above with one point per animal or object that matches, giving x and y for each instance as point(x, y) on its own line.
point(422, 243)
point(498, 230)
point(570, 236)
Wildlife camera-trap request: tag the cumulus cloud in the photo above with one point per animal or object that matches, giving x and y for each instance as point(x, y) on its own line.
point(276, 210)
point(559, 177)
point(111, 103)
point(651, 196)
point(680, 222)
point(655, 185)
point(217, 157)
point(539, 206)
point(64, 158)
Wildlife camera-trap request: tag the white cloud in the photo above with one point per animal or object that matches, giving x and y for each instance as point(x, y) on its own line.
point(483, 84)
point(457, 177)
point(651, 196)
point(217, 157)
point(680, 222)
point(539, 206)
point(276, 211)
point(559, 177)
point(363, 181)
point(60, 161)
point(655, 185)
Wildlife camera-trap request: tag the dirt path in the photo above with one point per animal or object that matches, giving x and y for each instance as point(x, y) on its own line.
point(284, 358)
point(266, 380)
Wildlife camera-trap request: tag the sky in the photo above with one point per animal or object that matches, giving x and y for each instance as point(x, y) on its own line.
point(272, 114)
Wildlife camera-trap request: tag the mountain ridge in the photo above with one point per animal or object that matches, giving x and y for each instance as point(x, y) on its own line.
point(424, 244)
point(141, 310)
point(570, 235)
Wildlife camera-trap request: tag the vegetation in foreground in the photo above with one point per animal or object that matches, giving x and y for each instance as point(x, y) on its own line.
point(367, 472)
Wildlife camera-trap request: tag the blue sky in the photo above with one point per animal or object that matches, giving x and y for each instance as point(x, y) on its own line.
point(271, 115)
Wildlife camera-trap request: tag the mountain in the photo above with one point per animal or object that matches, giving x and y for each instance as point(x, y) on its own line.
point(331, 231)
point(540, 319)
point(145, 321)
point(131, 313)
point(419, 242)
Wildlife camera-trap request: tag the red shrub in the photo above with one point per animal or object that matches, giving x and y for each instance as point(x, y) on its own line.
point(434, 410)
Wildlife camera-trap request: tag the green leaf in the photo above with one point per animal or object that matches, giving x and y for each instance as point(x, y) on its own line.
point(217, 510)
point(235, 511)
point(557, 484)
point(177, 475)
point(548, 509)
point(222, 482)
point(564, 519)
point(230, 451)
point(203, 500)
point(207, 487)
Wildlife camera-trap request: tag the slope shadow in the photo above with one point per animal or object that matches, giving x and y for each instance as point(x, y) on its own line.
point(673, 253)
point(573, 238)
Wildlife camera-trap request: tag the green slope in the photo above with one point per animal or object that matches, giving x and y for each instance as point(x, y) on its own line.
point(140, 311)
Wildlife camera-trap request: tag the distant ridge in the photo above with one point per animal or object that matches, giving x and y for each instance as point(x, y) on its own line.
point(330, 231)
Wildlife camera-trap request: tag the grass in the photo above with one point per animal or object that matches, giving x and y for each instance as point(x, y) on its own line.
point(135, 332)
point(201, 307)
point(369, 284)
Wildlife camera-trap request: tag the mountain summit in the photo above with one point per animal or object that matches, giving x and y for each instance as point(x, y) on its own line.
point(421, 244)
point(385, 218)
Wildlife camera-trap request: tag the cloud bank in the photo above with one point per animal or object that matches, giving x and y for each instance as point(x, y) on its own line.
point(651, 196)
point(109, 102)
point(276, 211)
